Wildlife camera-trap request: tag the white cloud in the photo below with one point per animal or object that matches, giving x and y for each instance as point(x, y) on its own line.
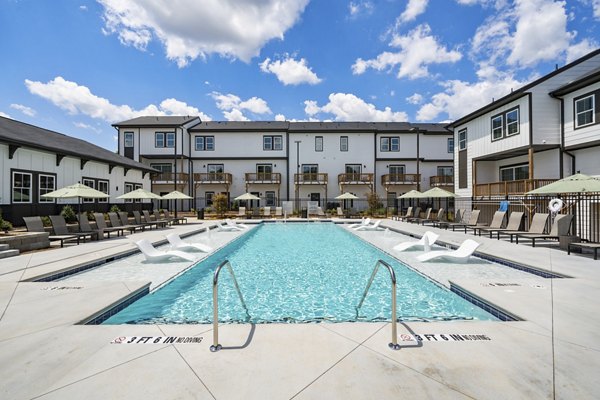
point(357, 9)
point(233, 106)
point(280, 117)
point(580, 49)
point(596, 8)
point(460, 98)
point(418, 49)
point(348, 107)
point(290, 71)
point(24, 109)
point(5, 115)
point(82, 125)
point(83, 8)
point(189, 29)
point(78, 99)
point(416, 98)
point(414, 8)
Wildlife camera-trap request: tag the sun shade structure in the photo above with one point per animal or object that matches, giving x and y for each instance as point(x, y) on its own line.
point(413, 194)
point(346, 196)
point(139, 194)
point(437, 192)
point(578, 183)
point(247, 196)
point(76, 190)
point(176, 195)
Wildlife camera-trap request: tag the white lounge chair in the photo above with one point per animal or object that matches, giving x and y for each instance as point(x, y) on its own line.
point(155, 255)
point(425, 242)
point(278, 212)
point(228, 228)
point(462, 254)
point(231, 222)
point(365, 221)
point(267, 211)
point(178, 244)
point(369, 227)
point(242, 212)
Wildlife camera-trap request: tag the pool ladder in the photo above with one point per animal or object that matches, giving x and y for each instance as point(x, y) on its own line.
point(394, 343)
point(216, 346)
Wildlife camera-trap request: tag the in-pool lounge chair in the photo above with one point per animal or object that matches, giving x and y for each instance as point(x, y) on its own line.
point(364, 221)
point(178, 244)
point(35, 224)
point(228, 228)
point(497, 222)
point(460, 255)
point(514, 224)
point(538, 227)
point(232, 222)
point(424, 243)
point(101, 224)
point(560, 227)
point(153, 255)
point(59, 226)
point(369, 227)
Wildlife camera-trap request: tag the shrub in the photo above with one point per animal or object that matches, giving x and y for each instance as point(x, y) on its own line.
point(5, 225)
point(374, 202)
point(46, 221)
point(115, 208)
point(220, 204)
point(68, 213)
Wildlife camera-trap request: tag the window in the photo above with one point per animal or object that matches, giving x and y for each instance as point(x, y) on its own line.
point(128, 188)
point(512, 122)
point(353, 172)
point(497, 131)
point(208, 196)
point(91, 183)
point(47, 185)
point(505, 124)
point(215, 172)
point(128, 139)
point(264, 172)
point(462, 139)
point(389, 143)
point(584, 111)
point(103, 187)
point(205, 143)
point(21, 187)
point(445, 171)
point(162, 167)
point(514, 173)
point(318, 143)
point(270, 198)
point(451, 145)
point(343, 143)
point(397, 169)
point(273, 142)
point(164, 139)
point(310, 171)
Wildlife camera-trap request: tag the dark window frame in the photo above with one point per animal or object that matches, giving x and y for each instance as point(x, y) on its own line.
point(207, 144)
point(462, 143)
point(276, 142)
point(450, 145)
point(166, 138)
point(46, 190)
point(347, 143)
point(125, 135)
point(386, 144)
point(12, 186)
point(504, 125)
point(594, 110)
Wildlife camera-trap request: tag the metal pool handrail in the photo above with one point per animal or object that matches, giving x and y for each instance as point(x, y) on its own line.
point(394, 343)
point(216, 346)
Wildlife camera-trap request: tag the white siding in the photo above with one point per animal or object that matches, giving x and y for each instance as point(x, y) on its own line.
point(574, 137)
point(239, 144)
point(587, 160)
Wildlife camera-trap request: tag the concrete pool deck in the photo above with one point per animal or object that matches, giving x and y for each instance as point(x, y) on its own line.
point(47, 355)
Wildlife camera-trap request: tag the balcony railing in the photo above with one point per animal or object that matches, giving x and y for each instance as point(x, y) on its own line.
point(355, 179)
point(213, 177)
point(509, 187)
point(441, 180)
point(170, 177)
point(264, 177)
point(310, 179)
point(400, 179)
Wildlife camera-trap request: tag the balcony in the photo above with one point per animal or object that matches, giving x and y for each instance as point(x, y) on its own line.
point(441, 180)
point(509, 187)
point(400, 179)
point(180, 178)
point(264, 177)
point(355, 179)
point(204, 178)
point(310, 179)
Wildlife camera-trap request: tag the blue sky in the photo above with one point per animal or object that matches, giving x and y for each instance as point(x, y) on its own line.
point(78, 66)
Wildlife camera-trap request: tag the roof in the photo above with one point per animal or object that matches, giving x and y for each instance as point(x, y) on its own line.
point(520, 92)
point(581, 82)
point(166, 121)
point(240, 126)
point(25, 135)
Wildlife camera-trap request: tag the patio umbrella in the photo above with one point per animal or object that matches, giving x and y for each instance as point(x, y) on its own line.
point(247, 196)
point(436, 192)
point(139, 194)
point(78, 191)
point(413, 194)
point(346, 196)
point(578, 183)
point(176, 195)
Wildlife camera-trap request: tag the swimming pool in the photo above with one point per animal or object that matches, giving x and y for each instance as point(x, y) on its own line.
point(298, 272)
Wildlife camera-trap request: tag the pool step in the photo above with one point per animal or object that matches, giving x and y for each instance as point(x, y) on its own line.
point(6, 252)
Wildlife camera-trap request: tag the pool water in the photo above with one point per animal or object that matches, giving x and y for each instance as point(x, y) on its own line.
point(298, 272)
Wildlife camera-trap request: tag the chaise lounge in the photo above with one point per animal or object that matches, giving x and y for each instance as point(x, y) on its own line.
point(460, 255)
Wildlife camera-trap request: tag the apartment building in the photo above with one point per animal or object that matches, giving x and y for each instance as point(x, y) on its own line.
point(35, 161)
point(280, 161)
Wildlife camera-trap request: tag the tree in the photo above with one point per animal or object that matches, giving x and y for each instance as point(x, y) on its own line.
point(220, 204)
point(374, 202)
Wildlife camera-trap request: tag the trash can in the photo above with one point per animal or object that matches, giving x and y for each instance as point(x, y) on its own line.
point(201, 213)
point(304, 213)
